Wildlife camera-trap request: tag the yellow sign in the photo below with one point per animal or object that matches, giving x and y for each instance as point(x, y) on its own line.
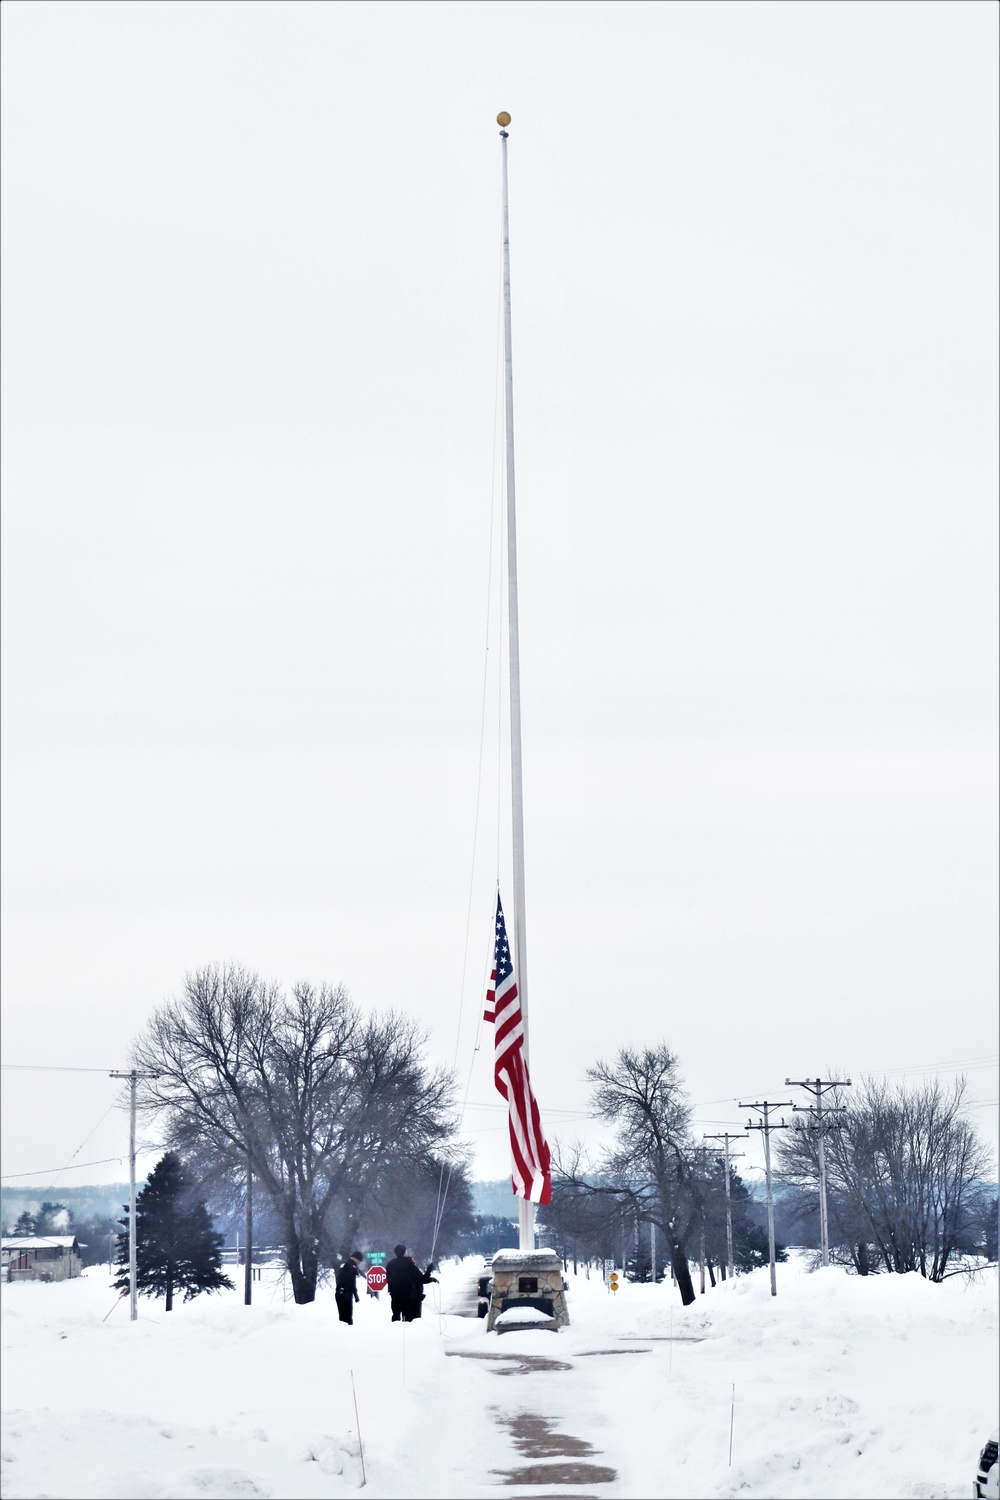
point(614, 1281)
point(503, 118)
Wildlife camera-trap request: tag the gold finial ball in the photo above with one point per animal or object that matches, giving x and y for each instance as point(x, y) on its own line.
point(503, 118)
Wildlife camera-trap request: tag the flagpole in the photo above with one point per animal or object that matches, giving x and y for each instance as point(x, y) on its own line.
point(526, 1208)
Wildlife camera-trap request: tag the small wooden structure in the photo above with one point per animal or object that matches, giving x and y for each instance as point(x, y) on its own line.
point(41, 1257)
point(523, 1280)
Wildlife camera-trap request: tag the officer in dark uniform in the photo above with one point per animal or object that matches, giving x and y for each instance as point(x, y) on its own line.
point(347, 1289)
point(405, 1284)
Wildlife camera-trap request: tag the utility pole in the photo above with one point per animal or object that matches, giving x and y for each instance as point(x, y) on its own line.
point(727, 1137)
point(818, 1087)
point(248, 1273)
point(133, 1077)
point(765, 1128)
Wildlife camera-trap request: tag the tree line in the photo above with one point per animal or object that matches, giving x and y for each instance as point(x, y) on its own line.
point(346, 1135)
point(96, 1232)
point(907, 1179)
point(653, 1184)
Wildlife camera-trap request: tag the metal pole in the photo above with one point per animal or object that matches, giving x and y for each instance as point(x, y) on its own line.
point(765, 1130)
point(726, 1137)
point(770, 1204)
point(248, 1273)
point(824, 1232)
point(132, 1253)
point(730, 1267)
point(526, 1209)
point(818, 1087)
point(652, 1253)
point(133, 1077)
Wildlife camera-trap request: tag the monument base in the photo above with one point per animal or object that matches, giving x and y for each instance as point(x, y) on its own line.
point(528, 1291)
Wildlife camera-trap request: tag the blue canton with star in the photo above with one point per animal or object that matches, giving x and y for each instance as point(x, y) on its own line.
point(502, 959)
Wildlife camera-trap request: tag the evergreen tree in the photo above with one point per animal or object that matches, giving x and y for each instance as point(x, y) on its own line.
point(176, 1246)
point(485, 1235)
point(750, 1249)
point(25, 1223)
point(54, 1218)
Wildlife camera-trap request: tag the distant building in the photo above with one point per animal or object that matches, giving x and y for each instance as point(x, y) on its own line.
point(41, 1257)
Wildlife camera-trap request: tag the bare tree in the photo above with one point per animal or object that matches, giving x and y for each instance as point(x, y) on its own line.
point(904, 1168)
point(304, 1091)
point(426, 1204)
point(711, 1227)
point(651, 1169)
point(588, 1217)
point(979, 1235)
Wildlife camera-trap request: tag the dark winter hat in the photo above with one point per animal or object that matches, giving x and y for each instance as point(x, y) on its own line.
point(357, 1255)
point(399, 1250)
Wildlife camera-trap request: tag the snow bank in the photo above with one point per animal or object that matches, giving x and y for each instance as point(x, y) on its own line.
point(844, 1387)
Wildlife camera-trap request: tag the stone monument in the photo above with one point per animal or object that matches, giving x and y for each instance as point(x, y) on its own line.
point(528, 1282)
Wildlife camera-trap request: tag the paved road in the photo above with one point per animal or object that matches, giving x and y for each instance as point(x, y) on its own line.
point(463, 1301)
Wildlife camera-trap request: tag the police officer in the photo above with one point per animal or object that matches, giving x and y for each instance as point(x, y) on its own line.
point(346, 1287)
point(405, 1284)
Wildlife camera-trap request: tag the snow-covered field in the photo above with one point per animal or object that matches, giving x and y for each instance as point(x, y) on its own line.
point(883, 1387)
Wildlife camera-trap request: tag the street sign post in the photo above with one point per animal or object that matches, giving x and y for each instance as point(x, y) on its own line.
point(377, 1279)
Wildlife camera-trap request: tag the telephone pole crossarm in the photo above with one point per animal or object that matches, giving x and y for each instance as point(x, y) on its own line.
point(765, 1127)
point(726, 1137)
point(818, 1087)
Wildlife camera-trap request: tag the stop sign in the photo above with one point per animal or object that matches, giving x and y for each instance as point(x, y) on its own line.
point(377, 1279)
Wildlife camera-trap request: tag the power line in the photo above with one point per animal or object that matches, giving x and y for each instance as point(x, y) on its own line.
point(58, 1171)
point(989, 1061)
point(43, 1171)
point(986, 1060)
point(472, 1104)
point(49, 1068)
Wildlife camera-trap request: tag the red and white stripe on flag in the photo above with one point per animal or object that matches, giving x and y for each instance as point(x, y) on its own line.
point(532, 1172)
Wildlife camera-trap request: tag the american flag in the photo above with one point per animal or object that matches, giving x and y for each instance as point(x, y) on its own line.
point(532, 1174)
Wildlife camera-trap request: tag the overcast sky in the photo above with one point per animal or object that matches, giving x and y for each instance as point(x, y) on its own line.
point(250, 328)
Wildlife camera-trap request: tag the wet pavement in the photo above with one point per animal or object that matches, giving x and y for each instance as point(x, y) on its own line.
point(536, 1437)
point(516, 1364)
point(557, 1474)
point(554, 1458)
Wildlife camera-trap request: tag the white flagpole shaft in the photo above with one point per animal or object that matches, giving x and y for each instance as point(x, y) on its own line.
point(133, 1253)
point(526, 1209)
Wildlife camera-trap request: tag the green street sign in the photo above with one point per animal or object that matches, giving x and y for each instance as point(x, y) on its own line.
point(376, 1257)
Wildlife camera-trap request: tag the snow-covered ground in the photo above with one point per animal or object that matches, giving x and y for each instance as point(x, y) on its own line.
point(844, 1387)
